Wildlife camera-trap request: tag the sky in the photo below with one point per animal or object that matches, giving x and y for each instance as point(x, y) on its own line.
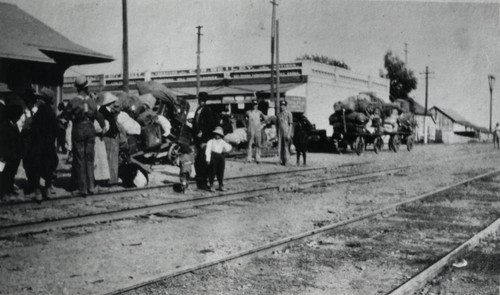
point(458, 40)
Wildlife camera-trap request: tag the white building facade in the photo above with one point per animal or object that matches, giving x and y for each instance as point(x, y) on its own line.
point(309, 87)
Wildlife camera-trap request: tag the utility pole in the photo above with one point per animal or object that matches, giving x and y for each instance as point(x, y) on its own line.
point(406, 54)
point(276, 101)
point(491, 82)
point(125, 46)
point(273, 34)
point(278, 94)
point(198, 52)
point(426, 99)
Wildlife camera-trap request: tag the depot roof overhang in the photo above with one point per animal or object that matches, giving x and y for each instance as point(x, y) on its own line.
point(25, 38)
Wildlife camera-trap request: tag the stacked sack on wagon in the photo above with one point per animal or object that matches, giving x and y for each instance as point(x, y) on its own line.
point(357, 114)
point(366, 113)
point(399, 117)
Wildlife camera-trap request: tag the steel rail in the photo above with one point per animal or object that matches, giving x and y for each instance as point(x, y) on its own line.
point(418, 281)
point(154, 189)
point(66, 222)
point(295, 238)
point(135, 191)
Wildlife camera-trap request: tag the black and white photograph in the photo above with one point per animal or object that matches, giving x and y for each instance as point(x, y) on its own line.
point(162, 147)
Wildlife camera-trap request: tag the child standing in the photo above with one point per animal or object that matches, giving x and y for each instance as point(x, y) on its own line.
point(186, 161)
point(216, 148)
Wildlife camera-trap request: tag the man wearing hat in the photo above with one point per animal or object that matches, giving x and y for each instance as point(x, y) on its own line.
point(254, 131)
point(203, 125)
point(41, 156)
point(285, 121)
point(82, 111)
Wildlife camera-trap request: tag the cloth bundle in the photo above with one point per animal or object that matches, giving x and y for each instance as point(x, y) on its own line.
point(128, 124)
point(131, 104)
point(238, 136)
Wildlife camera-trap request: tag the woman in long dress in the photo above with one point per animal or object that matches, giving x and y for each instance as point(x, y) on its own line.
point(111, 137)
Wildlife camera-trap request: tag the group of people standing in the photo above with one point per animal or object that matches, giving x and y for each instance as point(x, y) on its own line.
point(29, 129)
point(95, 139)
point(211, 147)
point(28, 133)
point(93, 121)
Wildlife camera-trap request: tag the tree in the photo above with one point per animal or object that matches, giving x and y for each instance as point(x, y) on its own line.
point(325, 60)
point(402, 80)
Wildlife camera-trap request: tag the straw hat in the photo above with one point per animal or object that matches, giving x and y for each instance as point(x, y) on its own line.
point(108, 98)
point(218, 131)
point(81, 82)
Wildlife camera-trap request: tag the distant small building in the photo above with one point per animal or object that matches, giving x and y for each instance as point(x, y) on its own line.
point(430, 123)
point(453, 128)
point(34, 55)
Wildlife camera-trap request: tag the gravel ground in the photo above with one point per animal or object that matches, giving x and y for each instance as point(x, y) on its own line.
point(481, 275)
point(369, 257)
point(105, 257)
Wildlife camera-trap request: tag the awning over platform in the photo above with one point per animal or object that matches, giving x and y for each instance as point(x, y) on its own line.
point(28, 39)
point(234, 90)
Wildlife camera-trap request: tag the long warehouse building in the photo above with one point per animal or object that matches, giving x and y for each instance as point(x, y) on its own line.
point(308, 86)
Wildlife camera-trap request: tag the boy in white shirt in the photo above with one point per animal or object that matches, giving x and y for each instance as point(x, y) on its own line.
point(215, 155)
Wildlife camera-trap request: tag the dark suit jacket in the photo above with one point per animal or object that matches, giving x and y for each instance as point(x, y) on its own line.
point(205, 122)
point(11, 142)
point(42, 153)
point(2, 112)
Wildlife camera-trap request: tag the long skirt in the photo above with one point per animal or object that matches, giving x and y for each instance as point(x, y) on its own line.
point(112, 151)
point(101, 165)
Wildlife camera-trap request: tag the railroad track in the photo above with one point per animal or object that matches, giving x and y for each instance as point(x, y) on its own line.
point(403, 212)
point(113, 215)
point(137, 191)
point(177, 202)
point(67, 199)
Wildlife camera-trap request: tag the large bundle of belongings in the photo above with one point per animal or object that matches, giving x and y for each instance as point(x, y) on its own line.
point(366, 113)
point(150, 120)
point(169, 105)
point(357, 114)
point(398, 117)
point(159, 113)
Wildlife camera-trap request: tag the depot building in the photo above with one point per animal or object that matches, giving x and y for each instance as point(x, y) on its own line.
point(309, 87)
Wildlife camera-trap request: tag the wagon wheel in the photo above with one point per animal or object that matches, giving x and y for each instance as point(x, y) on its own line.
point(335, 146)
point(409, 143)
point(342, 147)
point(173, 152)
point(359, 145)
point(396, 142)
point(378, 143)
